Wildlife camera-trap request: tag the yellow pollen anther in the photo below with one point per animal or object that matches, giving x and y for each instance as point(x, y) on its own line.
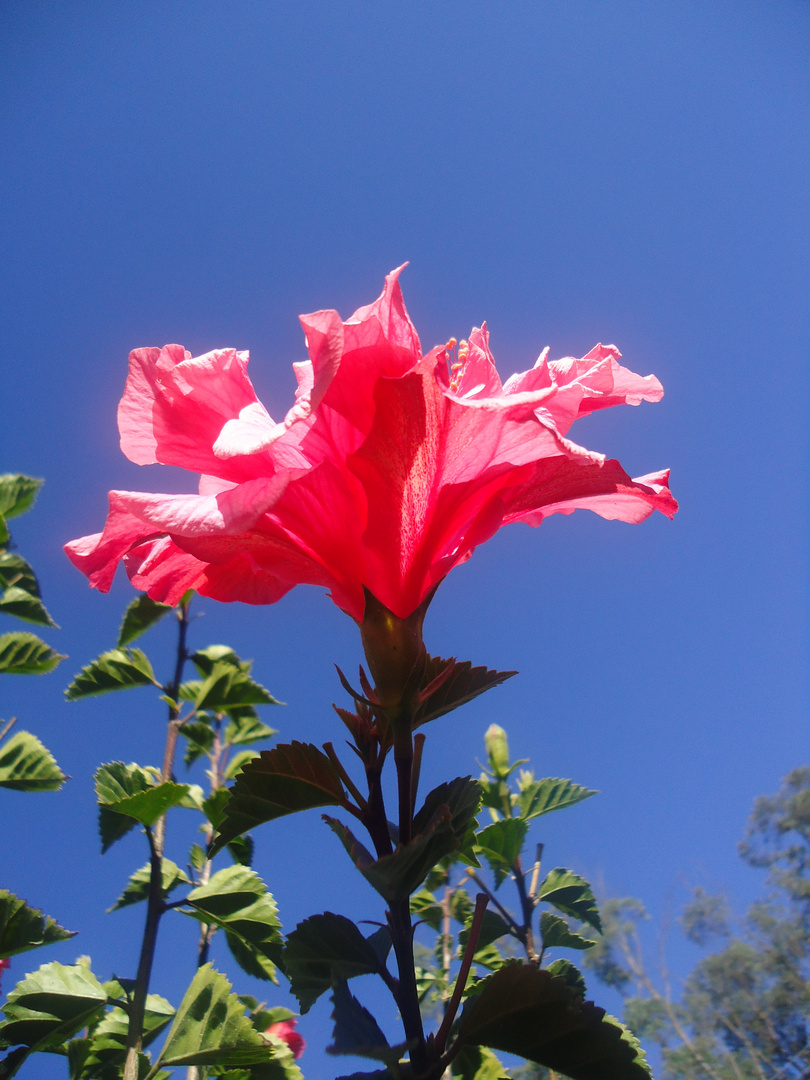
point(451, 344)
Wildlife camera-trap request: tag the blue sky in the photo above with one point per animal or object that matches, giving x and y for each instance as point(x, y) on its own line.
point(569, 171)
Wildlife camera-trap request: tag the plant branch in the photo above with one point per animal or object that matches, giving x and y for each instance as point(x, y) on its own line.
point(466, 963)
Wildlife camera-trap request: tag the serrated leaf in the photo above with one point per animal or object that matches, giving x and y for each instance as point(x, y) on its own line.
point(14, 570)
point(237, 901)
point(322, 950)
point(538, 797)
point(427, 909)
point(50, 1005)
point(397, 875)
point(26, 654)
point(501, 843)
point(238, 762)
point(243, 730)
point(24, 605)
point(493, 927)
point(477, 1063)
point(26, 765)
point(125, 794)
point(524, 1010)
point(105, 1052)
point(23, 927)
point(356, 1031)
point(228, 686)
point(240, 850)
point(570, 974)
point(291, 777)
point(205, 659)
point(140, 615)
point(137, 888)
point(118, 669)
point(464, 683)
point(557, 934)
point(210, 1027)
point(570, 894)
point(17, 493)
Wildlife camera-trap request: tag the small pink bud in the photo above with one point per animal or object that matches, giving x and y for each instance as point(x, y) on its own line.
point(285, 1030)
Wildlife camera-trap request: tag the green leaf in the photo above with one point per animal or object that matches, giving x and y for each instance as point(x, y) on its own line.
point(105, 1052)
point(197, 857)
point(118, 669)
point(5, 536)
point(323, 950)
point(210, 1027)
point(426, 908)
point(137, 888)
point(24, 605)
point(237, 901)
point(240, 850)
point(570, 974)
point(493, 927)
point(23, 927)
point(238, 762)
point(242, 730)
point(228, 686)
point(570, 894)
point(26, 765)
point(291, 777)
point(477, 1063)
point(538, 797)
point(50, 1005)
point(397, 875)
point(26, 654)
point(464, 683)
point(205, 659)
point(14, 570)
point(356, 1031)
point(557, 934)
point(526, 1011)
point(128, 793)
point(200, 738)
point(501, 843)
point(17, 493)
point(139, 616)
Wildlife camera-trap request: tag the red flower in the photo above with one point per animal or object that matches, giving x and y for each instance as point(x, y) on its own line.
point(285, 1030)
point(390, 469)
point(5, 964)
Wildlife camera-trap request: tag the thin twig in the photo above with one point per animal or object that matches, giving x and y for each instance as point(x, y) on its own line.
point(469, 952)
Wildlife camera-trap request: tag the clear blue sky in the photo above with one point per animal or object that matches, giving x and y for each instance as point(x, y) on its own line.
point(569, 171)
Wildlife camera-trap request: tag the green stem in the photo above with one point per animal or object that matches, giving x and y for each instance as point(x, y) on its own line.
point(157, 840)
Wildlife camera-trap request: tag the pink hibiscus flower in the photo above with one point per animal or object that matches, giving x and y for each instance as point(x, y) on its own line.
point(285, 1030)
point(389, 470)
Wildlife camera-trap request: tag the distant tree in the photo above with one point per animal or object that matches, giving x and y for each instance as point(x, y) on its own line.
point(744, 1011)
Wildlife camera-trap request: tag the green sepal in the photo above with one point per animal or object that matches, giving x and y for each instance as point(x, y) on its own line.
point(289, 778)
point(50, 1005)
point(570, 894)
point(237, 901)
point(501, 843)
point(140, 615)
point(464, 683)
point(26, 654)
point(322, 950)
point(27, 765)
point(210, 1028)
point(24, 605)
point(17, 493)
point(23, 927)
point(117, 669)
point(538, 797)
point(524, 1010)
point(556, 934)
point(137, 888)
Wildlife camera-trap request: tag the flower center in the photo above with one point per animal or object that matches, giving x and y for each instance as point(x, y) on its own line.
point(455, 353)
